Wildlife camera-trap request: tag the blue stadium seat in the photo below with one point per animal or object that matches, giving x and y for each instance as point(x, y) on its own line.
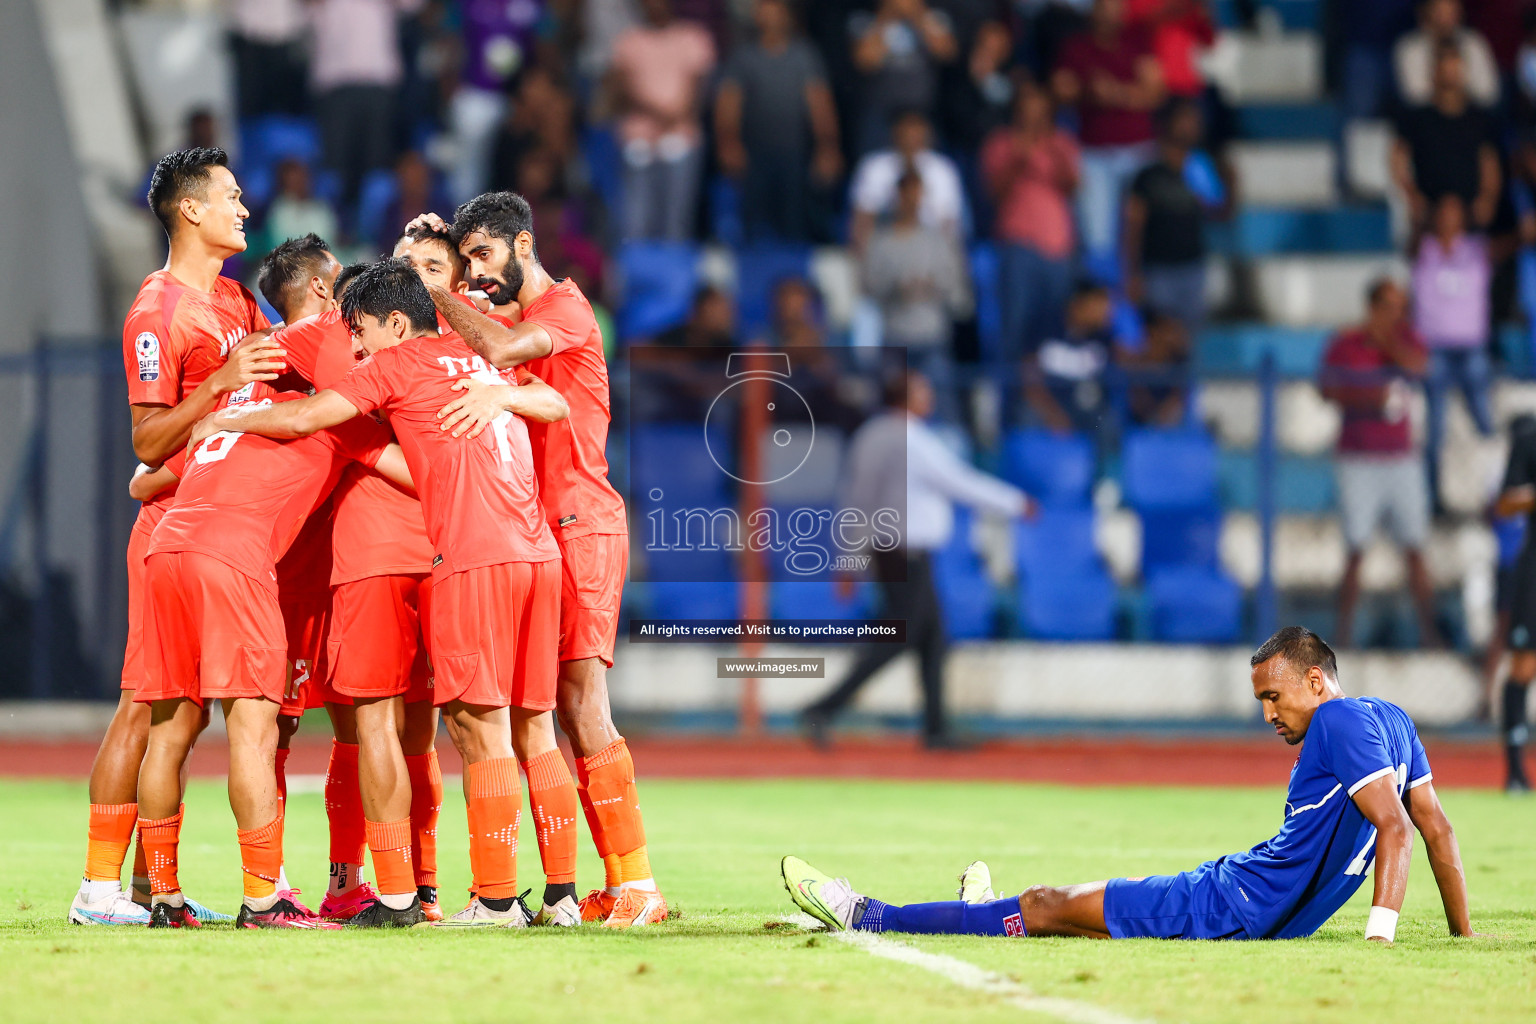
point(1264, 231)
point(818, 599)
point(1180, 538)
point(1277, 122)
point(965, 591)
point(989, 311)
point(1195, 606)
point(759, 267)
point(1237, 349)
point(605, 166)
point(725, 212)
point(377, 193)
point(266, 140)
point(1057, 542)
point(1303, 483)
point(694, 600)
point(659, 281)
point(1053, 468)
point(675, 458)
point(1076, 606)
point(1164, 469)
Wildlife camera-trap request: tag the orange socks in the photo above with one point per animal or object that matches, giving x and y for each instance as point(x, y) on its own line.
point(390, 844)
point(553, 796)
point(261, 858)
point(344, 810)
point(111, 830)
point(495, 805)
point(612, 874)
point(426, 802)
point(613, 813)
point(159, 838)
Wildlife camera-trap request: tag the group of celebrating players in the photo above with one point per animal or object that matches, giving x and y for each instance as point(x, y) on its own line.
point(394, 504)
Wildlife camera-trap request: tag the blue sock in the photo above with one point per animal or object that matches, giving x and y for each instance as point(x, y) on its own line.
point(952, 917)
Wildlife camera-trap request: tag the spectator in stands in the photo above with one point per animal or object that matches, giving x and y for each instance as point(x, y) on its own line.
point(656, 83)
point(895, 460)
point(897, 50)
point(355, 75)
point(294, 211)
point(1157, 390)
point(542, 115)
point(1111, 76)
point(1047, 25)
point(776, 127)
point(711, 322)
point(1370, 371)
point(872, 192)
point(416, 193)
point(564, 243)
point(1366, 31)
point(1451, 278)
point(1064, 378)
point(271, 66)
point(1164, 242)
point(795, 319)
point(1031, 171)
point(1415, 58)
point(917, 277)
point(1180, 30)
point(1447, 147)
point(498, 40)
point(202, 129)
point(981, 96)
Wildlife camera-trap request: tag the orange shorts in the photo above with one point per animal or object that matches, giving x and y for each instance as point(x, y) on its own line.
point(494, 633)
point(376, 647)
point(306, 621)
point(591, 586)
point(210, 631)
point(133, 651)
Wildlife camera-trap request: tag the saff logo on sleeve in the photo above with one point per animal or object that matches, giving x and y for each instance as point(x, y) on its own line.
point(147, 346)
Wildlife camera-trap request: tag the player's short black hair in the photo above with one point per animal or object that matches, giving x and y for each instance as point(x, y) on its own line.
point(503, 215)
point(1299, 646)
point(347, 276)
point(386, 286)
point(287, 268)
point(178, 175)
point(422, 233)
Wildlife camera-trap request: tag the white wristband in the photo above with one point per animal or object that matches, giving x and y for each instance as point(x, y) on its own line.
point(1382, 924)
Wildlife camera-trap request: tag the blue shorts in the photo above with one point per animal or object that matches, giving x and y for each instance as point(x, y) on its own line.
point(1188, 905)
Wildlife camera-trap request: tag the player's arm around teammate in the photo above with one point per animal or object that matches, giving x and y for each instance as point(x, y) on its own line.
point(531, 399)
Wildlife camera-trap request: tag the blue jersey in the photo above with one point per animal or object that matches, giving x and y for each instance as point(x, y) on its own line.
point(1287, 887)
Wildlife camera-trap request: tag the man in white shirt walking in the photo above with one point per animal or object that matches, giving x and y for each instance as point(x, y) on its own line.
point(896, 459)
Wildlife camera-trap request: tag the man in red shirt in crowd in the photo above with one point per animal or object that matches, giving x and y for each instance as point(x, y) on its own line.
point(180, 356)
point(548, 326)
point(214, 630)
point(494, 607)
point(1371, 371)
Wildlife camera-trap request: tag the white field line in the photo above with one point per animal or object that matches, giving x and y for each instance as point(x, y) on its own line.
point(969, 976)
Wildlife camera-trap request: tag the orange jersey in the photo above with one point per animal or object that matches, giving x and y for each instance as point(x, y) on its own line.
point(379, 528)
point(245, 496)
point(480, 495)
point(319, 348)
point(306, 567)
point(570, 456)
point(174, 337)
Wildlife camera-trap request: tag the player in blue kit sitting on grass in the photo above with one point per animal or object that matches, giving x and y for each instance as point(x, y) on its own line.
point(1357, 791)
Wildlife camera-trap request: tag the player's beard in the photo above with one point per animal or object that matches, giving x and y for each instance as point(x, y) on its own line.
point(507, 284)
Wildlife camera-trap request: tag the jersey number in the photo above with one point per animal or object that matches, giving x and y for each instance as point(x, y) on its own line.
point(500, 423)
point(215, 447)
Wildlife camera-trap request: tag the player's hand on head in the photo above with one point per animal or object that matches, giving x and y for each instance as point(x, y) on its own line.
point(262, 359)
point(469, 414)
point(428, 220)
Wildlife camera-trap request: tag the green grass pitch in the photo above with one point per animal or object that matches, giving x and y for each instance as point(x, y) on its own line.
point(729, 957)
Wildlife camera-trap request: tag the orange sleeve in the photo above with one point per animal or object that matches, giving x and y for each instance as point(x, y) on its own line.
point(368, 385)
point(568, 324)
point(152, 357)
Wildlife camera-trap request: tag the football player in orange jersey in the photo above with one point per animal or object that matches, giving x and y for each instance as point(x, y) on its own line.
point(182, 352)
point(548, 326)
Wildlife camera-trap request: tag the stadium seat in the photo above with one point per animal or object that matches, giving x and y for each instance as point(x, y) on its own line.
point(759, 267)
point(694, 600)
point(1057, 542)
point(1180, 538)
point(818, 599)
point(266, 140)
point(1077, 606)
point(1165, 469)
point(674, 458)
point(1194, 605)
point(1055, 469)
point(605, 166)
point(725, 223)
point(965, 591)
point(377, 193)
point(989, 313)
point(659, 281)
